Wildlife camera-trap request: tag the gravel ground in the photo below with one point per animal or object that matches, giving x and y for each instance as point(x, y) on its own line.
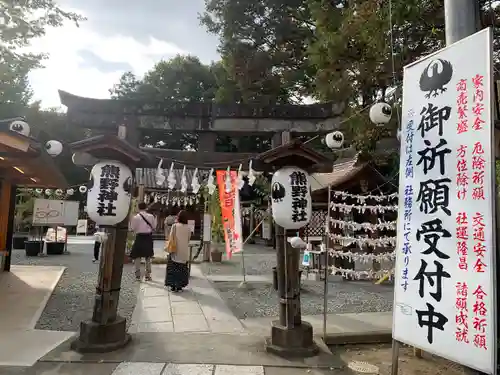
point(73, 299)
point(343, 297)
point(259, 260)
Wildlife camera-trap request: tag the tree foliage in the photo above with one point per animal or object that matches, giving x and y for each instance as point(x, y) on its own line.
point(20, 23)
point(263, 45)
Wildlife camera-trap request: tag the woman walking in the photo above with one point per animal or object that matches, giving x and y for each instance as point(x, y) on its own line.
point(177, 276)
point(142, 225)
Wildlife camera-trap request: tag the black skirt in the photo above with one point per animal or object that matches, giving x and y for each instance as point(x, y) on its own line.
point(177, 274)
point(143, 246)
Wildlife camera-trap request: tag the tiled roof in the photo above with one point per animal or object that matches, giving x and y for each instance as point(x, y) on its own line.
point(342, 172)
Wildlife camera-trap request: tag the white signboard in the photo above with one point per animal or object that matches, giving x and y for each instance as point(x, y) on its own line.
point(55, 212)
point(81, 226)
point(445, 268)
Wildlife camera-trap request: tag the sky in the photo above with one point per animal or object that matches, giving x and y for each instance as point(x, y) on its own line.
point(118, 36)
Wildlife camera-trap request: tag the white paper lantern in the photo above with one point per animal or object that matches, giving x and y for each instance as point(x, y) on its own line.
point(108, 198)
point(291, 198)
point(334, 140)
point(380, 113)
point(54, 148)
point(48, 192)
point(70, 192)
point(20, 127)
point(59, 192)
point(82, 189)
point(39, 191)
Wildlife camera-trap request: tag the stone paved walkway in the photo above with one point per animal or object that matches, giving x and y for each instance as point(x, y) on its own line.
point(198, 308)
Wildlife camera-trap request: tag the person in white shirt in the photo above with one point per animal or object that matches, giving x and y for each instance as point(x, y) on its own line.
point(97, 243)
point(142, 225)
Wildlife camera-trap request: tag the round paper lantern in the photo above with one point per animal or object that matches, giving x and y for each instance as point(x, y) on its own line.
point(380, 113)
point(82, 189)
point(109, 194)
point(48, 192)
point(39, 191)
point(54, 148)
point(291, 198)
point(20, 127)
point(70, 191)
point(59, 192)
point(334, 140)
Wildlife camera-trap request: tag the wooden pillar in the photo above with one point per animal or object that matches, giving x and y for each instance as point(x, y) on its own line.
point(7, 207)
point(107, 331)
point(290, 336)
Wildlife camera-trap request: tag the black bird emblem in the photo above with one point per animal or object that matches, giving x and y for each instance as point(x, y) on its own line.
point(338, 137)
point(127, 185)
point(277, 192)
point(435, 77)
point(17, 127)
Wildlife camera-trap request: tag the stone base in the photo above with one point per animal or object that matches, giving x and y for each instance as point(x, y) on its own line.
point(101, 338)
point(294, 342)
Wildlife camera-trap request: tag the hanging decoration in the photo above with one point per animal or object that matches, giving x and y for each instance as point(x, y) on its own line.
point(195, 183)
point(227, 181)
point(251, 174)
point(375, 209)
point(184, 183)
point(109, 195)
point(291, 198)
point(361, 199)
point(210, 182)
point(360, 275)
point(48, 192)
point(171, 177)
point(361, 242)
point(352, 225)
point(160, 174)
point(59, 192)
point(39, 191)
point(70, 192)
point(240, 182)
point(363, 257)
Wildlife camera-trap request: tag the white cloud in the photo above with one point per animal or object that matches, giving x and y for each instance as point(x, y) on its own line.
point(63, 67)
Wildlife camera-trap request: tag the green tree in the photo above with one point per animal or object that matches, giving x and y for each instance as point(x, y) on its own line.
point(182, 79)
point(21, 23)
point(359, 60)
point(263, 44)
point(51, 124)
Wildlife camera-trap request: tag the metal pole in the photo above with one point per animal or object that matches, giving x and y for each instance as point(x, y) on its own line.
point(327, 258)
point(461, 19)
point(243, 271)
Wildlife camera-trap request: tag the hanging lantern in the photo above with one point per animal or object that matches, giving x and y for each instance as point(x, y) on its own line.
point(70, 192)
point(48, 192)
point(334, 140)
point(380, 113)
point(20, 127)
point(108, 198)
point(82, 189)
point(39, 191)
point(291, 211)
point(59, 192)
point(54, 148)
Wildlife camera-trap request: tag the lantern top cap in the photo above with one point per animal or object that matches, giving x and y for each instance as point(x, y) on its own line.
point(295, 154)
point(110, 147)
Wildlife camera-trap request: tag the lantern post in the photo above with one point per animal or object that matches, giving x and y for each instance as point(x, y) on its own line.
point(109, 196)
point(291, 209)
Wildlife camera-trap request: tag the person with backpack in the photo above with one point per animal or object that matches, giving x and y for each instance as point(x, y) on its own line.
point(142, 225)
